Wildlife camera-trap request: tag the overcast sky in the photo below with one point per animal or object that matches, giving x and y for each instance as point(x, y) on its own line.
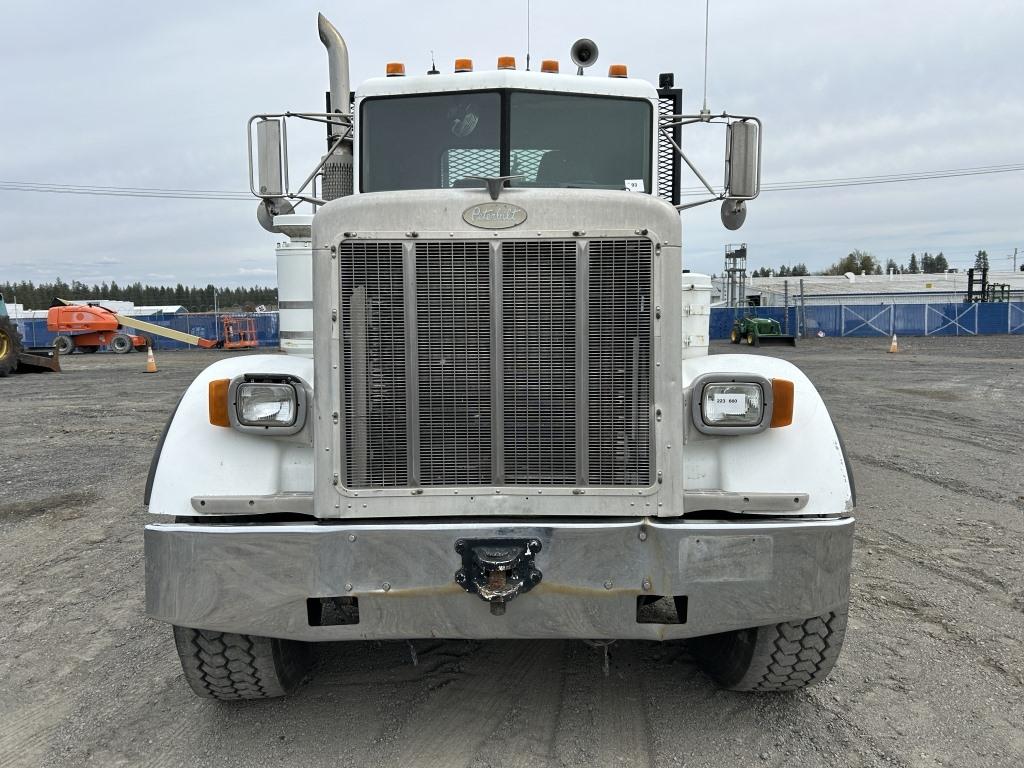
point(137, 94)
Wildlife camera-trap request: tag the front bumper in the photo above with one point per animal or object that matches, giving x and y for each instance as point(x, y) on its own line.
point(256, 579)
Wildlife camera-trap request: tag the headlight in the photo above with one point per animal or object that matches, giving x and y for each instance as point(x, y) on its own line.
point(266, 405)
point(731, 404)
point(271, 404)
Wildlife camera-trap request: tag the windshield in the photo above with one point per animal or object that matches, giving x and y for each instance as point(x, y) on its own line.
point(439, 141)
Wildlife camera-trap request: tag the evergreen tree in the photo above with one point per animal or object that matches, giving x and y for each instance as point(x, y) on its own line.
point(981, 260)
point(940, 263)
point(912, 268)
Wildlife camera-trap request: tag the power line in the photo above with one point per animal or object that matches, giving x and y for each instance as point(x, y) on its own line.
point(891, 178)
point(105, 191)
point(224, 194)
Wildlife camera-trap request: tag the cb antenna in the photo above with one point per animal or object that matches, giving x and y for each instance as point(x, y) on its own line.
point(704, 111)
point(527, 35)
point(433, 67)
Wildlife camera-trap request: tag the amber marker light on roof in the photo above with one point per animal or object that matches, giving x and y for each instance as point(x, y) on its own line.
point(549, 65)
point(396, 69)
point(463, 65)
point(506, 62)
point(782, 403)
point(617, 70)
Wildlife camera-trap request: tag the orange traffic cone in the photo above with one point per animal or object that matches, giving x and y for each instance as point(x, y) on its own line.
point(150, 361)
point(892, 346)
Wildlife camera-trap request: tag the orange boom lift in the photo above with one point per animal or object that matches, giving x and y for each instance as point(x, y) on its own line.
point(90, 326)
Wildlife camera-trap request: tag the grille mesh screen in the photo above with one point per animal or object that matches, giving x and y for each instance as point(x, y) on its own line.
point(373, 346)
point(503, 386)
point(538, 325)
point(619, 362)
point(453, 318)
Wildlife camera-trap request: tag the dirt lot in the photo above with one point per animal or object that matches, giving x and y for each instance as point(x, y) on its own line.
point(932, 671)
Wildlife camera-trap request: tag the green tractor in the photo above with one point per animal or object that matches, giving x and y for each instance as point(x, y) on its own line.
point(759, 330)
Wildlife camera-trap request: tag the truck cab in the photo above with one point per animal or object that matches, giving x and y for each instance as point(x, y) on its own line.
point(509, 425)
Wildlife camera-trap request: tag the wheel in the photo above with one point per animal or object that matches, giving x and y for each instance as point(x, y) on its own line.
point(64, 345)
point(121, 344)
point(734, 337)
point(225, 666)
point(777, 657)
point(750, 339)
point(10, 346)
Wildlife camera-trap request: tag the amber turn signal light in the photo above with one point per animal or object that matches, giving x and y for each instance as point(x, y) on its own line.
point(549, 65)
point(396, 69)
point(782, 403)
point(506, 62)
point(617, 70)
point(463, 65)
point(218, 396)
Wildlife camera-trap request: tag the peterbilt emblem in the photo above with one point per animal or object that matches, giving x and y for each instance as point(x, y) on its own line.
point(494, 215)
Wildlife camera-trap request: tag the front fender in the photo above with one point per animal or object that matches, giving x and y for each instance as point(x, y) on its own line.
point(196, 458)
point(805, 457)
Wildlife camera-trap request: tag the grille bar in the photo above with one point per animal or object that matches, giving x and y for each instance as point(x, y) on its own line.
point(619, 358)
point(373, 340)
point(539, 361)
point(453, 305)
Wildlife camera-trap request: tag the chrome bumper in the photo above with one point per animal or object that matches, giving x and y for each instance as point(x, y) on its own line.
point(256, 579)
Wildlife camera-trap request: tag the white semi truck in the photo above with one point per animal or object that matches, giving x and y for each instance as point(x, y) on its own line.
point(498, 417)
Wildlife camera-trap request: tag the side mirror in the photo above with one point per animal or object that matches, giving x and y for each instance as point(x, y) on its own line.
point(743, 160)
point(269, 158)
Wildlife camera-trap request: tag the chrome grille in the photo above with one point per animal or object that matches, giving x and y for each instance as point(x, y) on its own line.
point(500, 362)
point(373, 342)
point(453, 319)
point(619, 362)
point(538, 332)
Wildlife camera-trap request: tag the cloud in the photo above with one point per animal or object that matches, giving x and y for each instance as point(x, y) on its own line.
point(844, 90)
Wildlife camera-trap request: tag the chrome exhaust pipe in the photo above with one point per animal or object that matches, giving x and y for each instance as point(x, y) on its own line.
point(338, 169)
point(337, 62)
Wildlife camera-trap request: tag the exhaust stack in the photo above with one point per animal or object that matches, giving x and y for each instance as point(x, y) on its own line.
point(337, 171)
point(337, 63)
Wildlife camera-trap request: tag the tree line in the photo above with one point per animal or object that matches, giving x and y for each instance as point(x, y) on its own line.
point(861, 262)
point(193, 298)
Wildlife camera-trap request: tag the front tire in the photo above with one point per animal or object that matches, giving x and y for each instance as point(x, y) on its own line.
point(226, 666)
point(10, 346)
point(734, 337)
point(121, 344)
point(750, 339)
point(64, 345)
point(776, 657)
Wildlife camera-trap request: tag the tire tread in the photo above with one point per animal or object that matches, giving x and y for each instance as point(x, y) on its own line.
point(228, 667)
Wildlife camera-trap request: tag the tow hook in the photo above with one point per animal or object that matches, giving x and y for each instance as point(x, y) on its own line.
point(497, 569)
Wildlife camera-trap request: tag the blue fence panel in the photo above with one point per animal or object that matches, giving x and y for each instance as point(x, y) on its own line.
point(1015, 317)
point(866, 320)
point(951, 319)
point(909, 319)
point(823, 319)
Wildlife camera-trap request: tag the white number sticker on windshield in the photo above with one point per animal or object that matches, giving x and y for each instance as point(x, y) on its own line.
point(634, 185)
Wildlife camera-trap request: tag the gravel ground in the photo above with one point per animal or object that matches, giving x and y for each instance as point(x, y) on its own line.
point(932, 672)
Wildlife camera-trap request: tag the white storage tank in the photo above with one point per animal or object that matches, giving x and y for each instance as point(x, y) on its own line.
point(295, 284)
